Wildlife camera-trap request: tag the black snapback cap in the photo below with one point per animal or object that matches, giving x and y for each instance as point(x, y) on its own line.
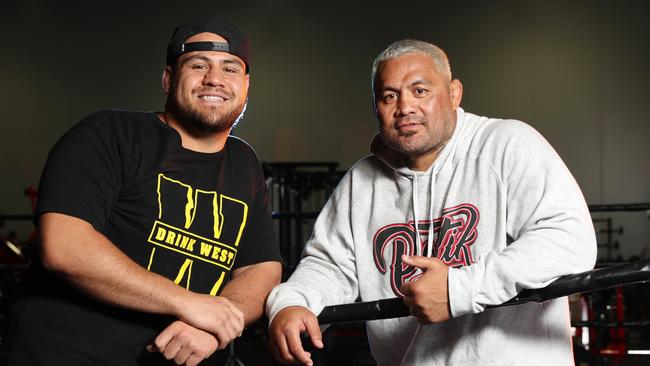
point(238, 43)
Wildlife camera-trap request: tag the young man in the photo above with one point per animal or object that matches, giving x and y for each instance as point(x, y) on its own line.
point(452, 212)
point(157, 240)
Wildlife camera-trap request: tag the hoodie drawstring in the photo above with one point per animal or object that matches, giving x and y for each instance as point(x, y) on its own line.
point(437, 167)
point(431, 215)
point(414, 197)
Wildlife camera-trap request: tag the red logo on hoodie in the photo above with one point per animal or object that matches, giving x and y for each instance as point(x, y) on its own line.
point(454, 232)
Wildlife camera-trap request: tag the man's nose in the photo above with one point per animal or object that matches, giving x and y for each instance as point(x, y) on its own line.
point(213, 77)
point(406, 104)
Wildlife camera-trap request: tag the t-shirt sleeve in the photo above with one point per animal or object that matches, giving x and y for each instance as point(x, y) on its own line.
point(259, 243)
point(82, 174)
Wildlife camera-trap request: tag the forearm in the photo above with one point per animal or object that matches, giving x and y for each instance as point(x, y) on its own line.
point(327, 273)
point(250, 287)
point(541, 230)
point(532, 261)
point(314, 284)
point(85, 258)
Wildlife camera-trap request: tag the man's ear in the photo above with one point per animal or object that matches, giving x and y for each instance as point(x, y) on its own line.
point(166, 79)
point(456, 93)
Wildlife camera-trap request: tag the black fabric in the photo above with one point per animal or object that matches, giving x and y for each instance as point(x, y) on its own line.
point(205, 46)
point(238, 42)
point(188, 216)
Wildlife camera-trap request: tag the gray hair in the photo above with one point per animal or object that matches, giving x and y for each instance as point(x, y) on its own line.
point(405, 46)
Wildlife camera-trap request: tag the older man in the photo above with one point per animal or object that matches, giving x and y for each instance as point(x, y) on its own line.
point(145, 217)
point(452, 212)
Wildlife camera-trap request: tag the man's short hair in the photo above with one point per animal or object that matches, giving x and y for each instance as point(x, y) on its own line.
point(406, 46)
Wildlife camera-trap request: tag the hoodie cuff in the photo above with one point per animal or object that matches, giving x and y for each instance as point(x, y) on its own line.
point(281, 298)
point(460, 282)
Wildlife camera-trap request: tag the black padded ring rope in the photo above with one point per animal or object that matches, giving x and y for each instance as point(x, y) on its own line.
point(597, 279)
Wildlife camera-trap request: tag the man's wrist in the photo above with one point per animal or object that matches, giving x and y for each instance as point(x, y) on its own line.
point(179, 302)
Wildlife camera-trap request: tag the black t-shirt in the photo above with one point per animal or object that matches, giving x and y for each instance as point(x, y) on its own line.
point(191, 217)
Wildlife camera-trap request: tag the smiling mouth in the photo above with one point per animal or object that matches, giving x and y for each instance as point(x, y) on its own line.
point(211, 98)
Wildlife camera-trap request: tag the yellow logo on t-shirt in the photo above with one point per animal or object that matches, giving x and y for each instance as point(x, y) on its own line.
point(204, 227)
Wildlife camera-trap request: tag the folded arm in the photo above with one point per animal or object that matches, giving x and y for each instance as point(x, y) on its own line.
point(547, 223)
point(248, 290)
point(82, 256)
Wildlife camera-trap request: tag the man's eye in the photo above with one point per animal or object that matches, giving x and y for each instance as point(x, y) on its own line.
point(199, 67)
point(230, 70)
point(390, 97)
point(420, 91)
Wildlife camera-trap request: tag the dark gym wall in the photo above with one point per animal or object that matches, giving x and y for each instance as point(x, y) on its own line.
point(575, 70)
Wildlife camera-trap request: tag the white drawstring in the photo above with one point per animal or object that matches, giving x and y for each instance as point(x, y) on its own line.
point(414, 197)
point(437, 167)
point(431, 213)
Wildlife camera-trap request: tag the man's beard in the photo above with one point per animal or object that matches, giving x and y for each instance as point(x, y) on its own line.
point(400, 142)
point(203, 123)
point(427, 143)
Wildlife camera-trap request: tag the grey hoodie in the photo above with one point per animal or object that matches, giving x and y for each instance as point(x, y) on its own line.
point(498, 206)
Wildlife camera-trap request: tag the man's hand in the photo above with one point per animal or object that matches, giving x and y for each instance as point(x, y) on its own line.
point(184, 344)
point(285, 332)
point(427, 297)
point(215, 315)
